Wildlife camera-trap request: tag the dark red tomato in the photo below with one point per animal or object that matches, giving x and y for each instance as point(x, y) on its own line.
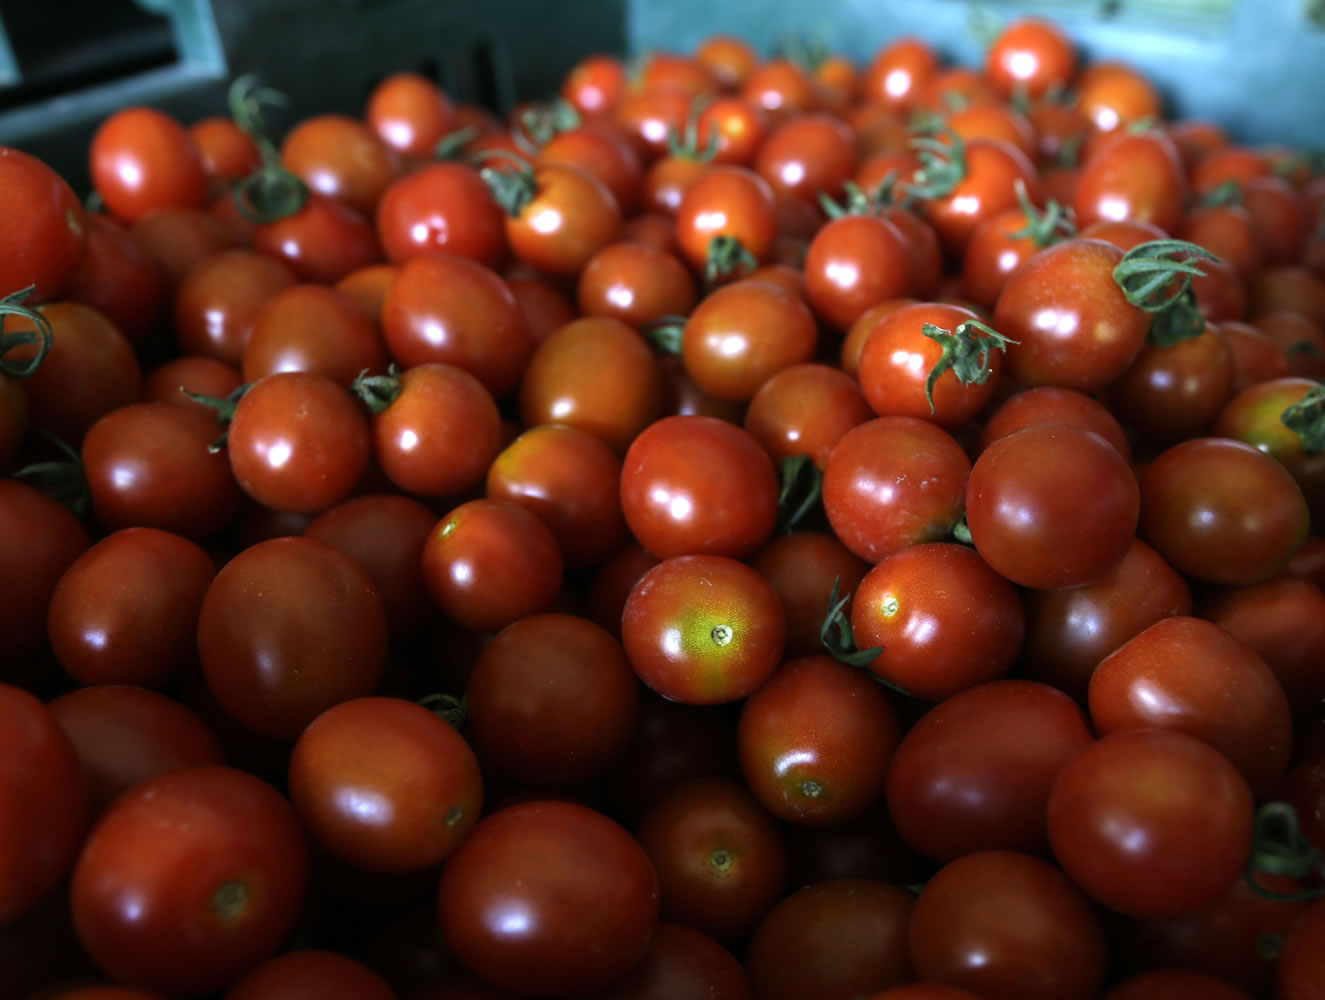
point(1175, 392)
point(385, 784)
point(987, 172)
point(728, 58)
point(410, 114)
point(1196, 139)
point(865, 847)
point(311, 975)
point(1000, 245)
point(1226, 163)
point(964, 933)
point(228, 152)
point(322, 242)
point(1030, 492)
point(298, 442)
point(550, 899)
point(802, 568)
point(450, 310)
point(570, 479)
point(126, 611)
point(489, 563)
point(189, 880)
point(312, 328)
point(1191, 676)
point(90, 370)
point(1301, 340)
point(1132, 849)
point(893, 482)
point(975, 773)
point(219, 298)
point(781, 87)
point(834, 941)
point(1255, 416)
point(815, 741)
point(703, 629)
point(945, 620)
point(1222, 511)
point(43, 802)
point(552, 700)
point(141, 160)
point(1303, 788)
point(612, 583)
point(13, 419)
point(698, 485)
point(107, 993)
point(385, 535)
point(1069, 631)
point(44, 227)
point(853, 344)
point(651, 229)
point(341, 158)
point(558, 216)
point(742, 334)
point(1289, 289)
point(683, 398)
point(1283, 620)
point(544, 306)
point(1124, 235)
point(733, 125)
point(1175, 984)
point(1279, 218)
point(681, 962)
point(1226, 231)
point(603, 151)
point(1133, 177)
point(596, 374)
point(635, 283)
point(1113, 95)
point(898, 357)
point(367, 288)
point(43, 538)
point(441, 207)
point(731, 202)
point(438, 436)
point(124, 735)
point(118, 278)
point(1256, 358)
point(177, 238)
point(1050, 405)
point(856, 262)
point(925, 991)
point(147, 465)
point(805, 410)
point(899, 72)
point(807, 156)
point(1308, 562)
point(1220, 294)
point(1082, 340)
point(1302, 962)
point(289, 628)
point(1030, 57)
point(720, 858)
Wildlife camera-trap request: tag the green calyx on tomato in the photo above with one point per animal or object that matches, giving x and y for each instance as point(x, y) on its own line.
point(63, 480)
point(726, 256)
point(1157, 277)
point(224, 407)
point(684, 144)
point(539, 124)
point(837, 638)
point(965, 353)
point(269, 194)
point(248, 100)
point(1306, 418)
point(1043, 228)
point(513, 189)
point(666, 333)
point(858, 202)
point(1228, 193)
point(452, 145)
point(802, 489)
point(42, 336)
point(377, 392)
point(942, 165)
point(1280, 848)
point(447, 707)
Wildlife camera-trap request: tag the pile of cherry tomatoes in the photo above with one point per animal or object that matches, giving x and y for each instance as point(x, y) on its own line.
point(748, 528)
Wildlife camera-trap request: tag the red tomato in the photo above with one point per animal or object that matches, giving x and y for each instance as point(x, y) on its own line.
point(557, 216)
point(341, 158)
point(544, 306)
point(177, 238)
point(1256, 357)
point(604, 152)
point(228, 152)
point(734, 207)
point(1302, 962)
point(1175, 984)
point(1113, 95)
point(323, 241)
point(410, 114)
point(856, 262)
point(805, 410)
point(803, 568)
point(1049, 405)
point(1030, 57)
point(782, 88)
point(44, 227)
point(119, 279)
point(189, 880)
point(441, 207)
point(312, 328)
point(807, 156)
point(141, 160)
point(970, 182)
point(311, 975)
point(681, 962)
point(899, 72)
point(635, 283)
point(595, 84)
point(1175, 391)
point(1133, 177)
point(219, 298)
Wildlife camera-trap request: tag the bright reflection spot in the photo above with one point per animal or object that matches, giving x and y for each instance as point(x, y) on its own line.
point(130, 174)
point(133, 908)
point(708, 221)
point(655, 130)
point(96, 638)
point(1152, 700)
point(514, 922)
point(364, 806)
point(793, 173)
point(907, 360)
point(659, 495)
point(434, 333)
point(562, 408)
point(123, 477)
point(671, 642)
point(793, 434)
point(1007, 260)
point(731, 346)
point(966, 204)
point(408, 440)
point(1106, 119)
point(1132, 839)
point(1021, 517)
point(278, 454)
point(418, 233)
point(621, 296)
point(1022, 65)
point(974, 958)
point(885, 493)
point(920, 629)
point(843, 274)
point(398, 134)
point(897, 83)
point(794, 759)
point(1064, 323)
point(679, 508)
point(1113, 209)
point(546, 221)
point(462, 572)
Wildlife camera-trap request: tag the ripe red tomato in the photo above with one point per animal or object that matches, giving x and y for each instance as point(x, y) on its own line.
point(682, 962)
point(141, 160)
point(341, 158)
point(1133, 850)
point(1132, 177)
point(311, 975)
point(969, 183)
point(734, 206)
point(1051, 405)
point(807, 156)
point(42, 537)
point(289, 628)
point(549, 898)
point(1030, 57)
point(855, 262)
point(44, 227)
point(803, 567)
point(189, 880)
point(312, 328)
point(219, 298)
point(595, 84)
point(805, 410)
point(43, 802)
point(1175, 391)
point(323, 241)
point(119, 279)
point(557, 216)
point(410, 114)
point(385, 784)
point(635, 283)
point(228, 152)
point(899, 72)
point(1175, 984)
point(1113, 95)
point(441, 207)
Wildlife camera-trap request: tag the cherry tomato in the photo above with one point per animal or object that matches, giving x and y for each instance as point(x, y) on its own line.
point(1113, 95)
point(1133, 177)
point(803, 568)
point(1173, 392)
point(289, 628)
point(1000, 245)
point(218, 301)
point(873, 493)
point(1049, 405)
point(1302, 962)
point(734, 128)
point(45, 228)
point(44, 797)
point(544, 306)
point(605, 153)
point(853, 344)
point(983, 183)
point(451, 310)
point(549, 898)
point(1300, 340)
point(1279, 219)
point(697, 485)
point(805, 410)
point(1289, 289)
point(682, 962)
point(311, 975)
point(441, 207)
point(729, 202)
point(1175, 984)
point(853, 263)
point(341, 158)
point(189, 880)
point(119, 279)
point(945, 620)
point(815, 741)
point(1226, 231)
point(557, 216)
point(782, 88)
point(807, 156)
point(833, 941)
point(410, 114)
point(312, 328)
point(635, 283)
point(322, 242)
point(898, 73)
point(1030, 57)
point(489, 563)
point(651, 117)
point(1256, 358)
point(228, 152)
point(552, 700)
point(1133, 850)
point(1053, 950)
point(595, 85)
point(141, 160)
point(1197, 504)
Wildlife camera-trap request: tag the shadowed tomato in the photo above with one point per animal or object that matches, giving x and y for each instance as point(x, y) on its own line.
point(322, 242)
point(703, 629)
point(552, 700)
point(126, 611)
point(698, 485)
point(1133, 177)
point(42, 537)
point(1191, 676)
point(141, 160)
point(311, 975)
point(1030, 492)
point(1030, 57)
point(925, 991)
point(855, 262)
point(681, 962)
point(312, 328)
point(195, 373)
point(441, 207)
point(124, 735)
point(550, 899)
point(805, 410)
point(1302, 962)
point(1050, 405)
point(635, 283)
point(945, 620)
point(189, 880)
point(544, 307)
point(385, 785)
point(1175, 984)
point(1256, 357)
point(1226, 231)
point(44, 235)
point(1175, 391)
point(815, 741)
point(1122, 813)
point(289, 628)
point(1009, 926)
point(119, 279)
point(177, 238)
point(43, 803)
point(803, 568)
point(1289, 289)
point(720, 858)
point(219, 298)
point(834, 941)
point(410, 114)
point(341, 158)
point(489, 563)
